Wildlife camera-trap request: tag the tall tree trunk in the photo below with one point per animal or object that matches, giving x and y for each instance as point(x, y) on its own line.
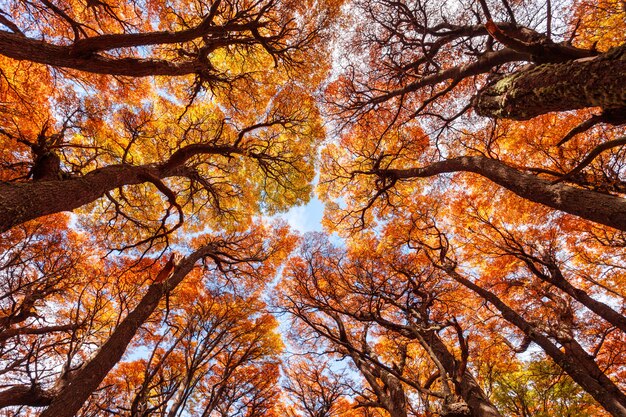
point(387, 388)
point(69, 401)
point(581, 368)
point(588, 82)
point(467, 386)
point(597, 207)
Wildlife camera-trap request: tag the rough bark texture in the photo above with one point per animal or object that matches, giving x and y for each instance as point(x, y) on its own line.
point(30, 395)
point(20, 202)
point(22, 48)
point(580, 367)
point(388, 389)
point(69, 401)
point(587, 82)
point(600, 208)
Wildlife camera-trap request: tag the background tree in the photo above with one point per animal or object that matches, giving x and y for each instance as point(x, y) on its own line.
point(214, 355)
point(246, 259)
point(406, 112)
point(540, 389)
point(359, 299)
point(314, 389)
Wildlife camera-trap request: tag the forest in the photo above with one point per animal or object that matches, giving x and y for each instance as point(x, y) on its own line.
point(470, 156)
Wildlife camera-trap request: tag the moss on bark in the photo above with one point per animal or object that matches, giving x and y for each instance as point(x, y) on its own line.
point(587, 82)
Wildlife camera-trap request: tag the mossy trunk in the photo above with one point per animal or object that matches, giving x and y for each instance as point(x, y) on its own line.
point(577, 84)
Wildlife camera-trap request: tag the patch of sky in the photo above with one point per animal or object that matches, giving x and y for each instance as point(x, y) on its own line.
point(305, 218)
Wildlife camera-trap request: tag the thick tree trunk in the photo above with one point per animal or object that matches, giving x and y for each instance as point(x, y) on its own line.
point(577, 84)
point(581, 367)
point(466, 384)
point(21, 202)
point(387, 388)
point(30, 395)
point(395, 401)
point(597, 207)
point(69, 401)
point(81, 58)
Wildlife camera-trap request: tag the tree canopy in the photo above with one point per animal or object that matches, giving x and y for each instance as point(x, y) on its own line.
point(469, 155)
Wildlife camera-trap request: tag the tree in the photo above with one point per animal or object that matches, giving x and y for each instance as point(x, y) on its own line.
point(135, 41)
point(315, 389)
point(214, 356)
point(159, 122)
point(550, 323)
point(408, 118)
point(178, 142)
point(538, 389)
point(345, 297)
point(250, 256)
point(171, 128)
point(425, 74)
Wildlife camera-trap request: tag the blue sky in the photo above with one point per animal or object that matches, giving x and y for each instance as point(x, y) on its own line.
point(307, 218)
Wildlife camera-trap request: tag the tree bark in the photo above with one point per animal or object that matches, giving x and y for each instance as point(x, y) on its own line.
point(557, 279)
point(581, 368)
point(69, 401)
point(21, 202)
point(30, 395)
point(571, 85)
point(468, 387)
point(601, 208)
point(387, 388)
point(466, 384)
point(23, 48)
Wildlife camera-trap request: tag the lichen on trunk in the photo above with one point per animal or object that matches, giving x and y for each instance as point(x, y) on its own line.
point(587, 82)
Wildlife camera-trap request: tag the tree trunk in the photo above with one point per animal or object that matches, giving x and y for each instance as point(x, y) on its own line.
point(387, 388)
point(22, 48)
point(69, 401)
point(466, 384)
point(468, 387)
point(577, 84)
point(597, 207)
point(581, 368)
point(30, 395)
point(21, 202)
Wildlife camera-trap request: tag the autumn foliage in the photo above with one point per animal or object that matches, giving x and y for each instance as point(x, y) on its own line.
point(469, 156)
